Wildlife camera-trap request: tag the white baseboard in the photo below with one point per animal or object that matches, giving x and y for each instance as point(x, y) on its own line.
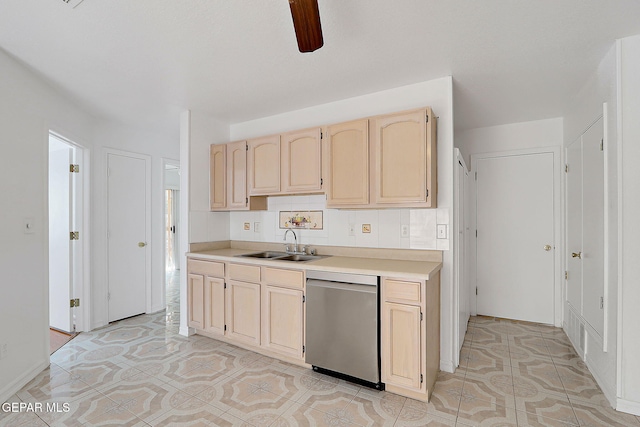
point(628, 406)
point(13, 387)
point(608, 389)
point(185, 331)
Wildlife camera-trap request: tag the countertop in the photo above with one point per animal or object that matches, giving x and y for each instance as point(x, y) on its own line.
point(423, 270)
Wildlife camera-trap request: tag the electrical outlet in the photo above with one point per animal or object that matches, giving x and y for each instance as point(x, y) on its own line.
point(404, 231)
point(442, 231)
point(352, 229)
point(256, 227)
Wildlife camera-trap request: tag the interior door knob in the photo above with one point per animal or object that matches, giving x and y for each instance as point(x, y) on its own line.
point(141, 244)
point(576, 255)
point(547, 248)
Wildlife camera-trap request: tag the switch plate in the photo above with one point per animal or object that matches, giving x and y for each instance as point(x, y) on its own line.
point(442, 231)
point(404, 230)
point(256, 227)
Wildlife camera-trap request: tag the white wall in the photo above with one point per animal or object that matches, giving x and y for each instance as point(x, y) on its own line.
point(629, 237)
point(385, 224)
point(515, 136)
point(28, 109)
point(586, 108)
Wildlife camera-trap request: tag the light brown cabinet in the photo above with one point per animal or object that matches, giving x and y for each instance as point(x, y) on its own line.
point(205, 303)
point(228, 179)
point(243, 311)
point(263, 158)
point(347, 164)
point(218, 176)
point(404, 159)
point(283, 311)
point(301, 161)
point(410, 336)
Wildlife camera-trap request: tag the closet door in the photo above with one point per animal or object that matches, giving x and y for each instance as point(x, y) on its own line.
point(574, 225)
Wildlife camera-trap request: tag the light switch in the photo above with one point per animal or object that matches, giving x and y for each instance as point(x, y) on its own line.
point(256, 227)
point(442, 231)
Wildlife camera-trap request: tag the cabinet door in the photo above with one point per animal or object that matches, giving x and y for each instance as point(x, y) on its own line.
point(403, 166)
point(218, 176)
point(214, 305)
point(237, 175)
point(301, 163)
point(263, 158)
point(195, 301)
point(401, 345)
point(243, 311)
point(348, 164)
point(282, 320)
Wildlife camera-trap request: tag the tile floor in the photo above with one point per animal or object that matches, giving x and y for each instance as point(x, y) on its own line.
point(140, 372)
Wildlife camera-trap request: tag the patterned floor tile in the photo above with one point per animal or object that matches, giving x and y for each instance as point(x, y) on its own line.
point(21, 419)
point(547, 407)
point(411, 417)
point(484, 360)
point(497, 389)
point(484, 413)
point(301, 415)
point(597, 415)
point(369, 410)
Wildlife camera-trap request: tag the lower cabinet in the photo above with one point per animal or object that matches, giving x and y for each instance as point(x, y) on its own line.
point(410, 336)
point(214, 305)
point(202, 277)
point(243, 311)
point(282, 320)
point(196, 301)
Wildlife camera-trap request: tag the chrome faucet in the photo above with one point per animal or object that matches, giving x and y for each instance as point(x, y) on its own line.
point(295, 245)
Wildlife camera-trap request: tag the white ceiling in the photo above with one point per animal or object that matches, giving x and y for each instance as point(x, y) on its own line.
point(145, 61)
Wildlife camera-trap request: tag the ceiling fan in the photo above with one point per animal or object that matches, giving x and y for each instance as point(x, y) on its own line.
point(306, 21)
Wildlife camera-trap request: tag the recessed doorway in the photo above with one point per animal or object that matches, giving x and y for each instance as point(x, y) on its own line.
point(172, 240)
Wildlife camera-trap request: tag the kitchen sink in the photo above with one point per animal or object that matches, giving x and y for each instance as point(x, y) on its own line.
point(282, 256)
point(266, 254)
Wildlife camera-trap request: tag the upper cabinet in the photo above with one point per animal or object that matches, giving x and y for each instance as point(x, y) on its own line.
point(218, 176)
point(301, 161)
point(228, 179)
point(263, 158)
point(386, 161)
point(347, 164)
point(403, 149)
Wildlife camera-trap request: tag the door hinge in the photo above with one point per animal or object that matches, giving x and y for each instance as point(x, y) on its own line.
point(304, 348)
point(602, 145)
point(225, 285)
point(601, 303)
point(246, 200)
point(74, 302)
point(304, 298)
point(566, 275)
point(476, 233)
point(74, 168)
point(74, 235)
point(225, 327)
point(427, 119)
point(321, 136)
point(476, 290)
point(421, 379)
point(566, 168)
point(246, 147)
point(427, 193)
point(321, 181)
point(421, 316)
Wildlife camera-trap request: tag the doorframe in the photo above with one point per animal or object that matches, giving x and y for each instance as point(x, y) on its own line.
point(148, 235)
point(558, 227)
point(166, 162)
point(461, 250)
point(83, 288)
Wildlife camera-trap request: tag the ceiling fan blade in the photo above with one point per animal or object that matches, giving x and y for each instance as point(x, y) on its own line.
point(306, 21)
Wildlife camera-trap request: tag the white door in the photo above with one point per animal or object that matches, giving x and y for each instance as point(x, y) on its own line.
point(127, 240)
point(460, 250)
point(60, 221)
point(515, 225)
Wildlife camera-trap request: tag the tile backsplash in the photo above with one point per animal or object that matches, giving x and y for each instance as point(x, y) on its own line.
point(344, 227)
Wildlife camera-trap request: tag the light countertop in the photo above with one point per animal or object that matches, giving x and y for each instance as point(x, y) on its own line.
point(374, 266)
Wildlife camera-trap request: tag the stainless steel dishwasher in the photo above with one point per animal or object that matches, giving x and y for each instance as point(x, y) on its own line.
point(342, 327)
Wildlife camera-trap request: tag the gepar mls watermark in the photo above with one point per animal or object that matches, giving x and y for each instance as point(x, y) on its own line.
point(36, 407)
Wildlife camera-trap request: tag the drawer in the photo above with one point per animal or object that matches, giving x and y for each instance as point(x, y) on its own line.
point(207, 268)
point(282, 277)
point(245, 273)
point(402, 290)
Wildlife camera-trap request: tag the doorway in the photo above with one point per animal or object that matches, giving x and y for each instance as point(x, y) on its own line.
point(517, 214)
point(66, 184)
point(172, 230)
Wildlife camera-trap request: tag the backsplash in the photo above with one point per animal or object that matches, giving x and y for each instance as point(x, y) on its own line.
point(389, 228)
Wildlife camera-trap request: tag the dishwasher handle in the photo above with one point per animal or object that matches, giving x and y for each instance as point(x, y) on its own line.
point(367, 288)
